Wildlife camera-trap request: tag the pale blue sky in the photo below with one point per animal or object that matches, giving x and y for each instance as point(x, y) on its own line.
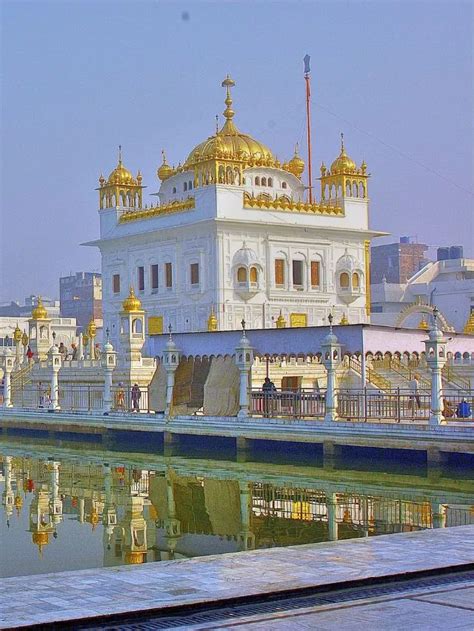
point(79, 78)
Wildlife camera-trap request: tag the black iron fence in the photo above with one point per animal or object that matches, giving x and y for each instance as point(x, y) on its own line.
point(288, 403)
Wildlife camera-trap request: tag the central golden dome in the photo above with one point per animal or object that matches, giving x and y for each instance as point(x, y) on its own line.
point(229, 142)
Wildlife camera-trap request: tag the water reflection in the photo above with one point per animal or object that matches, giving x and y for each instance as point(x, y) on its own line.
point(72, 510)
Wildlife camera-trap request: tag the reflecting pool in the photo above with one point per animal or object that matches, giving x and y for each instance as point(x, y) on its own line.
point(68, 506)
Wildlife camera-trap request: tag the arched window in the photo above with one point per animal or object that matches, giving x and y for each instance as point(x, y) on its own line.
point(257, 181)
point(344, 280)
point(190, 185)
point(185, 186)
point(264, 181)
point(361, 189)
point(283, 184)
point(137, 326)
point(355, 281)
point(253, 275)
point(244, 180)
point(348, 189)
point(242, 275)
point(174, 189)
point(270, 182)
point(354, 189)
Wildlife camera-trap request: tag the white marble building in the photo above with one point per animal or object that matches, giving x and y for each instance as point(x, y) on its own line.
point(233, 237)
point(446, 284)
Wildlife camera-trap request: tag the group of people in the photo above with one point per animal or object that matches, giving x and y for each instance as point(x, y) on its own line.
point(463, 409)
point(72, 353)
point(120, 399)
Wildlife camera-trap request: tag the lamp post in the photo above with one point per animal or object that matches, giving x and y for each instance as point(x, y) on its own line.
point(109, 362)
point(171, 356)
point(17, 338)
point(244, 360)
point(331, 359)
point(435, 348)
point(7, 363)
point(55, 357)
point(24, 341)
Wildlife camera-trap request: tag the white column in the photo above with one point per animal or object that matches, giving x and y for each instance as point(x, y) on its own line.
point(80, 348)
point(7, 383)
point(244, 393)
point(436, 415)
point(331, 395)
point(331, 505)
point(109, 361)
point(363, 370)
point(17, 354)
point(170, 372)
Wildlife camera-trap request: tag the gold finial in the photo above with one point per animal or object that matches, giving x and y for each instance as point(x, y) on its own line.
point(217, 124)
point(423, 324)
point(342, 143)
point(120, 154)
point(92, 328)
point(227, 84)
point(280, 322)
point(212, 323)
point(17, 334)
point(344, 321)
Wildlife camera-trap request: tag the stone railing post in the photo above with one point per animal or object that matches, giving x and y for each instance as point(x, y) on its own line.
point(171, 357)
point(55, 357)
point(244, 361)
point(109, 362)
point(331, 360)
point(7, 364)
point(435, 348)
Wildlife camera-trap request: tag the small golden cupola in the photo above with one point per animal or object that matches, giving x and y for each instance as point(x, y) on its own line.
point(121, 188)
point(223, 157)
point(296, 164)
point(131, 303)
point(469, 326)
point(164, 171)
point(344, 179)
point(17, 334)
point(39, 312)
point(212, 322)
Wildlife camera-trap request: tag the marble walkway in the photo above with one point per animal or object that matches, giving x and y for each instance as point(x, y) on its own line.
point(88, 594)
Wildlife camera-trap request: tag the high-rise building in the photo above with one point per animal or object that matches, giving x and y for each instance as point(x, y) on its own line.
point(397, 262)
point(81, 297)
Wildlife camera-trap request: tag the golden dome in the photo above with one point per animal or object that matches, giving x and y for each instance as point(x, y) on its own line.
point(212, 323)
point(344, 321)
point(164, 171)
point(39, 312)
point(423, 324)
point(40, 538)
point(120, 175)
point(469, 326)
point(132, 303)
point(296, 164)
point(17, 334)
point(229, 142)
point(343, 164)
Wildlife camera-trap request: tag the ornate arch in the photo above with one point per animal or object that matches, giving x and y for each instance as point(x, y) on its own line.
point(420, 308)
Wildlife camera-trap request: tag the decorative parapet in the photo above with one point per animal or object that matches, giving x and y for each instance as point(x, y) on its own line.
point(284, 203)
point(175, 206)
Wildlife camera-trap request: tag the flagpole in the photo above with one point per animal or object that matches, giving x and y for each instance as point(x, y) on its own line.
point(308, 124)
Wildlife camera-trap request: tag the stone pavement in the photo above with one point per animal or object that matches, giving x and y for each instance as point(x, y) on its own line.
point(87, 594)
point(434, 609)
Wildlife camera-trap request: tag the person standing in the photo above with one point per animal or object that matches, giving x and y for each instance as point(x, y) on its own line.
point(414, 396)
point(136, 396)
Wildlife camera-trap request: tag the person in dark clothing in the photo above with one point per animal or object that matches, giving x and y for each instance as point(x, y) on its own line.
point(268, 389)
point(136, 396)
point(463, 410)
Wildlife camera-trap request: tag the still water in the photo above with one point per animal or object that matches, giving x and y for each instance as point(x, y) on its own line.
point(72, 506)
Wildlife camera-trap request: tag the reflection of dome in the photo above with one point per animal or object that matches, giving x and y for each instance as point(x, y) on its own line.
point(246, 257)
point(135, 558)
point(131, 303)
point(39, 312)
point(40, 539)
point(229, 142)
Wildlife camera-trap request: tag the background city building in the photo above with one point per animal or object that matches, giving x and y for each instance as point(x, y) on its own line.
point(80, 297)
point(397, 262)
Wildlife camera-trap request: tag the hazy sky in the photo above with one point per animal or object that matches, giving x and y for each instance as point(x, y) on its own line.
point(79, 78)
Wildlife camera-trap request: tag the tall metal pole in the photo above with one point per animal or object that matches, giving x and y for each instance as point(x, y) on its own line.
point(308, 124)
